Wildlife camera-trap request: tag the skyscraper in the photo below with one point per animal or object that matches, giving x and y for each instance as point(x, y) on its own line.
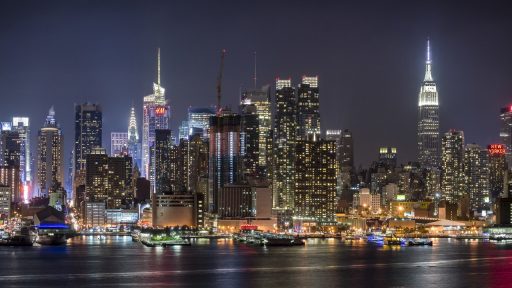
point(388, 157)
point(347, 149)
point(497, 168)
point(308, 109)
point(134, 149)
point(225, 160)
point(249, 141)
point(316, 181)
point(197, 163)
point(476, 171)
point(163, 158)
point(50, 156)
point(199, 120)
point(452, 162)
point(88, 132)
point(156, 114)
point(506, 131)
point(118, 143)
point(428, 119)
point(108, 179)
point(285, 136)
point(260, 99)
point(21, 125)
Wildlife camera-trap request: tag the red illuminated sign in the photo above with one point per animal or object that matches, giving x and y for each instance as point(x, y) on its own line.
point(160, 111)
point(496, 149)
point(248, 227)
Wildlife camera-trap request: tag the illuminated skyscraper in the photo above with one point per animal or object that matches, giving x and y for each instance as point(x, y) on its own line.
point(308, 109)
point(156, 114)
point(388, 157)
point(21, 125)
point(164, 160)
point(497, 168)
point(506, 131)
point(108, 179)
point(285, 136)
point(249, 146)
point(50, 156)
point(118, 143)
point(260, 99)
point(88, 132)
point(316, 181)
point(428, 119)
point(452, 162)
point(199, 121)
point(225, 160)
point(476, 171)
point(133, 140)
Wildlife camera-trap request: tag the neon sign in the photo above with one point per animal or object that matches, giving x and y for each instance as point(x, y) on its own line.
point(160, 111)
point(496, 149)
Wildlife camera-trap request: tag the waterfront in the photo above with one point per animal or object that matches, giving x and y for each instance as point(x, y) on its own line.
point(117, 261)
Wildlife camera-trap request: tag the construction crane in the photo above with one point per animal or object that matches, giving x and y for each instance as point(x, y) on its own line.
point(219, 80)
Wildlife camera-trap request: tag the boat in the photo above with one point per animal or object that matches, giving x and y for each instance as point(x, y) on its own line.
point(135, 236)
point(282, 240)
point(391, 240)
point(51, 239)
point(374, 238)
point(419, 242)
point(22, 237)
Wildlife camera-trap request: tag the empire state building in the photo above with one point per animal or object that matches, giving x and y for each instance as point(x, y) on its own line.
point(428, 119)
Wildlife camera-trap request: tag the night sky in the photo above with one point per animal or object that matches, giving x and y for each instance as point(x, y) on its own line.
point(369, 58)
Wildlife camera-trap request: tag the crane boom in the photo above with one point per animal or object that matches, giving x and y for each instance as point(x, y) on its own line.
point(219, 80)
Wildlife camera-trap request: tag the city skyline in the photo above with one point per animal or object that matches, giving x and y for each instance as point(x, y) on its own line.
point(341, 87)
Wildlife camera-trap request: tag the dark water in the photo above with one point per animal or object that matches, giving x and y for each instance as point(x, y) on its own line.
point(116, 261)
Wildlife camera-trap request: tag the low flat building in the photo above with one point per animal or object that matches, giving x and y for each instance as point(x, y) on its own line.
point(121, 217)
point(178, 210)
point(95, 214)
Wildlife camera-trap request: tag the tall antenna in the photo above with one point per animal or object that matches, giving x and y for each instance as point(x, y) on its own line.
point(254, 70)
point(158, 72)
point(219, 80)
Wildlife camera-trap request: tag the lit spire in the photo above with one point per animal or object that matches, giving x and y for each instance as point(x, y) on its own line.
point(133, 134)
point(428, 66)
point(158, 79)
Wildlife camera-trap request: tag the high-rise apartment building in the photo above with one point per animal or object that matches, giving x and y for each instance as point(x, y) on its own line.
point(452, 163)
point(308, 109)
point(476, 171)
point(285, 137)
point(260, 100)
point(315, 184)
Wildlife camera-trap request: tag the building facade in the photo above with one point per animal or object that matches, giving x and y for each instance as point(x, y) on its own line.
point(50, 156)
point(428, 119)
point(285, 137)
point(156, 115)
point(452, 163)
point(225, 158)
point(308, 109)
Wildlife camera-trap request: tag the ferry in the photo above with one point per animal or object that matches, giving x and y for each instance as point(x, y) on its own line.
point(392, 240)
point(281, 240)
point(419, 242)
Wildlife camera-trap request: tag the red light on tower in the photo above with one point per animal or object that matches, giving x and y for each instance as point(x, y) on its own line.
point(510, 108)
point(496, 149)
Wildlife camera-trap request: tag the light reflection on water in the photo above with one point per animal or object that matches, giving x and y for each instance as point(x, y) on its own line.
point(222, 262)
